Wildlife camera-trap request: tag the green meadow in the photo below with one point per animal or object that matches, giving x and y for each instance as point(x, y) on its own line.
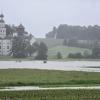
point(27, 77)
point(51, 95)
point(64, 50)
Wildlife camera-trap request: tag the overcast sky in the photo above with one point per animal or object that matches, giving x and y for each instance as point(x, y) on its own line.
point(39, 16)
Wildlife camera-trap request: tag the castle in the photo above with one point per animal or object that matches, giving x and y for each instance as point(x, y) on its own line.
point(6, 40)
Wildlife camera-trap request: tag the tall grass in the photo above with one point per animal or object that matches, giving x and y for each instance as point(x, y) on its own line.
point(52, 95)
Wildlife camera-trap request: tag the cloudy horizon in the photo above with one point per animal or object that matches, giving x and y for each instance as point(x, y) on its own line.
point(39, 16)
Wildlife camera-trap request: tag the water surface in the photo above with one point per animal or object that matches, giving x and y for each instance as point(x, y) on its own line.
point(53, 65)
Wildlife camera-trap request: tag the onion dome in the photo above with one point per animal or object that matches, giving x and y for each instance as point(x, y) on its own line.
point(1, 15)
point(21, 26)
point(1, 20)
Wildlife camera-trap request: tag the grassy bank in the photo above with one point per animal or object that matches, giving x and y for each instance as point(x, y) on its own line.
point(20, 77)
point(52, 95)
point(9, 58)
point(50, 58)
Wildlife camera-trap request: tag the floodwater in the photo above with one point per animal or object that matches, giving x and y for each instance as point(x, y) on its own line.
point(52, 65)
point(24, 88)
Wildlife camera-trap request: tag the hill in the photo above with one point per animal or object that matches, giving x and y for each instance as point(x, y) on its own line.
point(65, 51)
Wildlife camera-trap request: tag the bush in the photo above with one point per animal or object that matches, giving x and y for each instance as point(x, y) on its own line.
point(59, 55)
point(76, 55)
point(96, 52)
point(42, 52)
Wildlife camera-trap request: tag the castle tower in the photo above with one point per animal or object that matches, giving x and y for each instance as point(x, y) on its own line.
point(2, 27)
point(5, 43)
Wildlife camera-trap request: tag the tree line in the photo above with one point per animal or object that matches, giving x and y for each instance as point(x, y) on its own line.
point(65, 31)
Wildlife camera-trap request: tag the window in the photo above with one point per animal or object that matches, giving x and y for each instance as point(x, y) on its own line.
point(0, 47)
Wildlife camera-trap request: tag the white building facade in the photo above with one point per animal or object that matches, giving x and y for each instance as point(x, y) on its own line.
point(5, 42)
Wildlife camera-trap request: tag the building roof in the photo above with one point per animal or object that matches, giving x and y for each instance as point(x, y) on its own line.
point(1, 20)
point(20, 26)
point(1, 15)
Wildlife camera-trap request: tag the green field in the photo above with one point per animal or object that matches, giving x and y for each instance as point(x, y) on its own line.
point(65, 51)
point(10, 58)
point(56, 45)
point(21, 77)
point(52, 95)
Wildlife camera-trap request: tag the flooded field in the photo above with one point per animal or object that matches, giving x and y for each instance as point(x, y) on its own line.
point(24, 88)
point(90, 66)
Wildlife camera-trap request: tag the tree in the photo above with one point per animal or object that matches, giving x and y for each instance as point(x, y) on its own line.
point(42, 52)
point(30, 50)
point(72, 42)
point(59, 55)
point(36, 46)
point(87, 54)
point(65, 31)
point(96, 49)
point(76, 55)
point(33, 48)
point(65, 42)
point(96, 52)
point(9, 30)
point(19, 47)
